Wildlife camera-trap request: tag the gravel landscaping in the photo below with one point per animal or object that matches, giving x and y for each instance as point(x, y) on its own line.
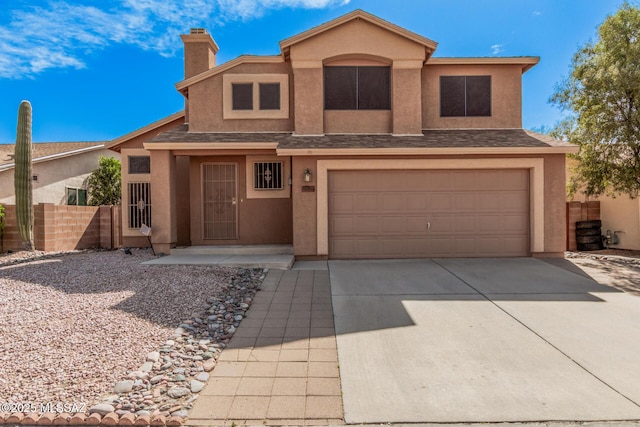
point(617, 268)
point(98, 328)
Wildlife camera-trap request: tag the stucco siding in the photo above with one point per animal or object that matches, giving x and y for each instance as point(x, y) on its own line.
point(54, 176)
point(621, 214)
point(357, 37)
point(506, 97)
point(554, 205)
point(206, 103)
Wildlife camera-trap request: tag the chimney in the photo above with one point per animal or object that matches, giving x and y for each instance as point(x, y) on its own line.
point(199, 52)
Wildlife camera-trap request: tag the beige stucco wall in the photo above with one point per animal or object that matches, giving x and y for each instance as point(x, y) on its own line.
point(309, 100)
point(506, 96)
point(206, 103)
point(164, 225)
point(620, 214)
point(356, 37)
point(555, 227)
point(54, 176)
point(547, 199)
point(358, 121)
point(406, 101)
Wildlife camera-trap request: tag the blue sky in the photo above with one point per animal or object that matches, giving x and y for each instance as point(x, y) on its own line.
point(97, 70)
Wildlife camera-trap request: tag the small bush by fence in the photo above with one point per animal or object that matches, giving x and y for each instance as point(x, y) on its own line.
point(64, 228)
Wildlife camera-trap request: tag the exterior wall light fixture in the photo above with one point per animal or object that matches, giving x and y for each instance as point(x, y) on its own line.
point(307, 175)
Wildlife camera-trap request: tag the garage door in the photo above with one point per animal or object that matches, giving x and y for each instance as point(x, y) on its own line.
point(428, 213)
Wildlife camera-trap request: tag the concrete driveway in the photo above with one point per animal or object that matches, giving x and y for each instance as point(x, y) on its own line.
point(483, 340)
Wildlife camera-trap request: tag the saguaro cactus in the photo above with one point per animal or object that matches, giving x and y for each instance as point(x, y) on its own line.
point(23, 176)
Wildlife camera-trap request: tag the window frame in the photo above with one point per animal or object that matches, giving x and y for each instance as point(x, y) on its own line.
point(357, 94)
point(263, 105)
point(228, 80)
point(129, 163)
point(256, 173)
point(241, 97)
point(465, 95)
point(253, 193)
point(136, 220)
point(77, 191)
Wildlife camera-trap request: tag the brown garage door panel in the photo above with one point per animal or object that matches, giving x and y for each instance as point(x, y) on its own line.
point(427, 213)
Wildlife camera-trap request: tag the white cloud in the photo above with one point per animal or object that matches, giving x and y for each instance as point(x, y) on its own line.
point(61, 33)
point(536, 13)
point(497, 49)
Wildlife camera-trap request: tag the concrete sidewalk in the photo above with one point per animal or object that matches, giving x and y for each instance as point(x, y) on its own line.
point(281, 367)
point(278, 257)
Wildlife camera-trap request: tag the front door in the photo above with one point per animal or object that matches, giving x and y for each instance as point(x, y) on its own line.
point(219, 201)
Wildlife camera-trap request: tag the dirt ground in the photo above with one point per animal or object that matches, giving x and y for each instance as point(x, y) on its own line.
point(612, 267)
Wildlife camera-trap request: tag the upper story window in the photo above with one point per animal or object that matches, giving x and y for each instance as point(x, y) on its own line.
point(242, 96)
point(255, 96)
point(357, 88)
point(269, 96)
point(139, 164)
point(465, 96)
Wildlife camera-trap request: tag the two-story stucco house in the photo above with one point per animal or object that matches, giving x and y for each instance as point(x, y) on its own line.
point(354, 142)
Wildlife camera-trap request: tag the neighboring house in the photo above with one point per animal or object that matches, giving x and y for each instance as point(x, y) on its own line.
point(620, 216)
point(60, 171)
point(354, 142)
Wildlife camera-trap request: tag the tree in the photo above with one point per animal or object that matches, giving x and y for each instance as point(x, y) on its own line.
point(104, 183)
point(602, 94)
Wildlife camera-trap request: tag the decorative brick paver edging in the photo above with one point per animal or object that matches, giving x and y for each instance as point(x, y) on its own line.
point(178, 364)
point(95, 419)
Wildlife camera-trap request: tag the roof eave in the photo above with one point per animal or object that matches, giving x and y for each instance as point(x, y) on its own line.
point(403, 151)
point(527, 62)
point(183, 85)
point(62, 155)
point(115, 144)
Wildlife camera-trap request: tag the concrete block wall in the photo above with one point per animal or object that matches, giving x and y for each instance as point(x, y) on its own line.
point(10, 236)
point(63, 228)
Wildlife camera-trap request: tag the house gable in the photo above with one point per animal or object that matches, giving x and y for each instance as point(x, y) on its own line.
point(358, 37)
point(358, 16)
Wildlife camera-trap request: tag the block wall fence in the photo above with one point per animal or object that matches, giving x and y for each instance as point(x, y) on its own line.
point(65, 228)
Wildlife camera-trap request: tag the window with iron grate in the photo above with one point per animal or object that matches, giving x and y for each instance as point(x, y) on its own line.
point(267, 176)
point(139, 204)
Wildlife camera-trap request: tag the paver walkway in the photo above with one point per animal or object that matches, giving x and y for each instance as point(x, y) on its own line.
point(281, 366)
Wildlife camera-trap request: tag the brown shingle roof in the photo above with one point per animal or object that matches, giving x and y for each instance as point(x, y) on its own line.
point(454, 138)
point(44, 149)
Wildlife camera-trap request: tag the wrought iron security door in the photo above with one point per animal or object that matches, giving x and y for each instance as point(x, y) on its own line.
point(219, 200)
